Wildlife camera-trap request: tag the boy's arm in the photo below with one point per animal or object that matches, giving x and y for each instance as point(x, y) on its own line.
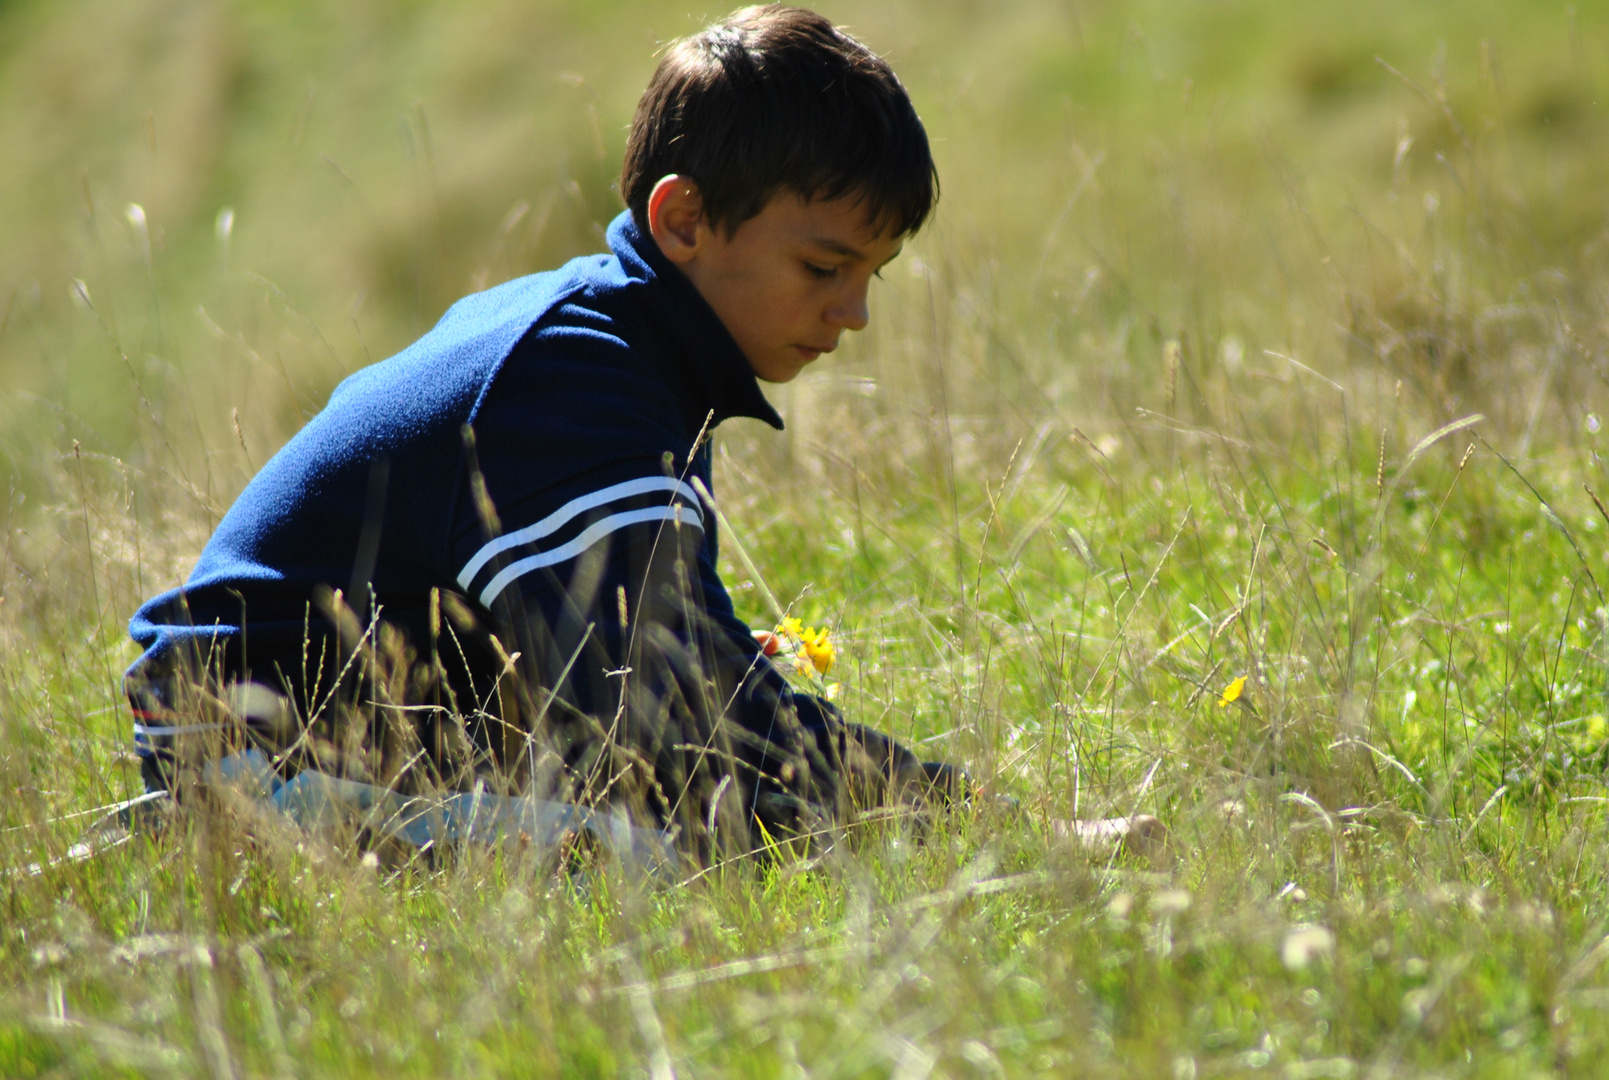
point(748, 663)
point(785, 748)
point(612, 602)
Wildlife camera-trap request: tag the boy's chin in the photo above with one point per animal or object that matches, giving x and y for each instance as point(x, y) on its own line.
point(778, 371)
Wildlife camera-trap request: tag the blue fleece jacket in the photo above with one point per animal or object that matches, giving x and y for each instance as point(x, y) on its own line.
point(574, 400)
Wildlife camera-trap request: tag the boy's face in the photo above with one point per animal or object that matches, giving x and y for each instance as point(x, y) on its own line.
point(787, 282)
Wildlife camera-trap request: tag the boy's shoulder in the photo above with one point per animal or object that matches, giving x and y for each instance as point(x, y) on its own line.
point(530, 330)
point(450, 363)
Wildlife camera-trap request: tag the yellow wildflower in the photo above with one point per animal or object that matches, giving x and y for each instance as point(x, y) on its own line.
point(813, 652)
point(819, 649)
point(1232, 693)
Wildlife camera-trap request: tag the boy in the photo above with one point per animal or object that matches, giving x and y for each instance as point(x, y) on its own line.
point(491, 559)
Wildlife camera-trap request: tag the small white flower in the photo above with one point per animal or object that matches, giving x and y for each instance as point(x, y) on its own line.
point(1304, 944)
point(1170, 902)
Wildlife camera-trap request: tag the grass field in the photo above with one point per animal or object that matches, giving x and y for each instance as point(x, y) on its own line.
point(1252, 340)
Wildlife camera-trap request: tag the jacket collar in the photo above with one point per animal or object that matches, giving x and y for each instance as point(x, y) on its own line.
point(707, 370)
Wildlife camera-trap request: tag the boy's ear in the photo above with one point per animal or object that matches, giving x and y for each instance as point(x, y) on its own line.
point(675, 217)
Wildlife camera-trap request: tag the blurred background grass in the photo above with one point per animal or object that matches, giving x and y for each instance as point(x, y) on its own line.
point(318, 182)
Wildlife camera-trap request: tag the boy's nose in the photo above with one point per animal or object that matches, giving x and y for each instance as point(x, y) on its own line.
point(852, 311)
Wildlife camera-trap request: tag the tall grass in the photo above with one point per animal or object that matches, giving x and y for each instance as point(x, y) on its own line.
point(1180, 388)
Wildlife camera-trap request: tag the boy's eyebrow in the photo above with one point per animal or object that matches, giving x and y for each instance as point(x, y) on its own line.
point(838, 247)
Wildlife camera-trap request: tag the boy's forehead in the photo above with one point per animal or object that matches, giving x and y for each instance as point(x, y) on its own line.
point(843, 225)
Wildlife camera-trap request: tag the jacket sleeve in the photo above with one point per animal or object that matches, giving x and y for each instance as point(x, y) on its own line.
point(633, 672)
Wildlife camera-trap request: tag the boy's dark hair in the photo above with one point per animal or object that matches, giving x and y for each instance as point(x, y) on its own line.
point(774, 98)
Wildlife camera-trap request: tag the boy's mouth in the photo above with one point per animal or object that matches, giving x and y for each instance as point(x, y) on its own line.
point(810, 352)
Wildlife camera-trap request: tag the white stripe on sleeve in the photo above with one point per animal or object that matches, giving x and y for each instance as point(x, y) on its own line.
point(168, 731)
point(585, 539)
point(569, 510)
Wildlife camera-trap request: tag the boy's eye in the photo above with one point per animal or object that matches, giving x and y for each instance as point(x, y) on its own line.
point(822, 272)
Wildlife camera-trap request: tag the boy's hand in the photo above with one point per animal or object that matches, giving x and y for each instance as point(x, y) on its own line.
point(769, 643)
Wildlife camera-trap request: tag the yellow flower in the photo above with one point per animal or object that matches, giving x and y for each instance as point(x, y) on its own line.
point(813, 653)
point(1232, 693)
point(819, 649)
